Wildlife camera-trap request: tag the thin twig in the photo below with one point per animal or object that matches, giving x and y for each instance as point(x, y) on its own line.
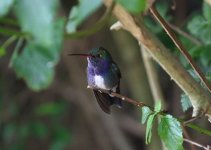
point(179, 45)
point(196, 144)
point(123, 98)
point(140, 104)
point(97, 27)
point(186, 135)
point(185, 34)
point(152, 77)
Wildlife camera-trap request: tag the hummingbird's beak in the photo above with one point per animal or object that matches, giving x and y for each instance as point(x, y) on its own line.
point(83, 55)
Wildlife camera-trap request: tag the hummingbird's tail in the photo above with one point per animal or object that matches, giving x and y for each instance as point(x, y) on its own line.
point(105, 101)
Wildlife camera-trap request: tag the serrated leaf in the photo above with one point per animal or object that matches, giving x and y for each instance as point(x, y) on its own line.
point(145, 114)
point(158, 106)
point(80, 12)
point(149, 128)
point(207, 11)
point(170, 131)
point(185, 102)
point(133, 6)
point(5, 6)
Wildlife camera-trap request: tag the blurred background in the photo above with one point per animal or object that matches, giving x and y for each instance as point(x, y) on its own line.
point(66, 115)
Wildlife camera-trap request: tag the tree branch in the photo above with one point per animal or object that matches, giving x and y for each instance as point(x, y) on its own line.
point(179, 45)
point(183, 33)
point(200, 98)
point(123, 98)
point(141, 104)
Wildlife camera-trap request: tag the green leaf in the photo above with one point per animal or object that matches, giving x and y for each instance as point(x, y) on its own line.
point(207, 11)
point(202, 54)
point(170, 131)
point(208, 76)
point(133, 6)
point(50, 108)
point(5, 6)
point(34, 67)
point(205, 55)
point(145, 114)
point(37, 19)
point(149, 128)
point(185, 102)
point(200, 28)
point(36, 64)
point(80, 12)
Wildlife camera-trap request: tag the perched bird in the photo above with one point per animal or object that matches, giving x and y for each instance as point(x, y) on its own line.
point(103, 73)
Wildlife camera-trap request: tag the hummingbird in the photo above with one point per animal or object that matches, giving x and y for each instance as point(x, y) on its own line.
point(103, 73)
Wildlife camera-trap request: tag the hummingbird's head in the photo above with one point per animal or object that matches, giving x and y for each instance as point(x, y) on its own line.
point(99, 56)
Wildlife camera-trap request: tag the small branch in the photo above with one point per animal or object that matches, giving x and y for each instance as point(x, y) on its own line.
point(199, 97)
point(186, 135)
point(123, 98)
point(152, 77)
point(183, 33)
point(140, 104)
point(196, 144)
point(97, 27)
point(180, 46)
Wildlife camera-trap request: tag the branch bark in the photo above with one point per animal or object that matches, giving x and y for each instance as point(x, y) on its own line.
point(200, 98)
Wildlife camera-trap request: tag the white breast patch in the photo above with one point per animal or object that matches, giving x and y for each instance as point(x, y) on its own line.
point(99, 82)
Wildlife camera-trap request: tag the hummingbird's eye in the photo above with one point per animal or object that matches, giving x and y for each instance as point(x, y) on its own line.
point(99, 55)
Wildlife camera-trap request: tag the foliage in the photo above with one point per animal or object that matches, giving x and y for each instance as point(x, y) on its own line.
point(185, 102)
point(43, 45)
point(200, 25)
point(134, 6)
point(5, 6)
point(80, 12)
point(40, 33)
point(169, 129)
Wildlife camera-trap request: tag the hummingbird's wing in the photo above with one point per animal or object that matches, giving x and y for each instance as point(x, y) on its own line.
point(104, 100)
point(117, 101)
